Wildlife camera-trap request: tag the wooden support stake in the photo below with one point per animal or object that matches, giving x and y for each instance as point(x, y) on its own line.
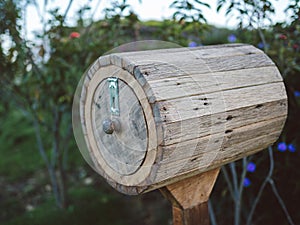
point(189, 198)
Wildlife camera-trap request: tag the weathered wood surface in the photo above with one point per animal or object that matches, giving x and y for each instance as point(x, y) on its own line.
point(189, 198)
point(126, 147)
point(197, 84)
point(203, 107)
point(194, 157)
point(102, 160)
point(200, 105)
point(197, 215)
point(229, 120)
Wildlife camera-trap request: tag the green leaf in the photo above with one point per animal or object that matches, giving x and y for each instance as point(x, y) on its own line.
point(202, 3)
point(173, 4)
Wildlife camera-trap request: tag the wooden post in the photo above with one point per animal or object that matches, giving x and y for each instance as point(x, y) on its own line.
point(189, 198)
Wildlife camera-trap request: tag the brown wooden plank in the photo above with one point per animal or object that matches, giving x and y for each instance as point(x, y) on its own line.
point(189, 198)
point(196, 156)
point(192, 148)
point(207, 104)
point(201, 51)
point(182, 66)
point(197, 215)
point(196, 84)
point(219, 122)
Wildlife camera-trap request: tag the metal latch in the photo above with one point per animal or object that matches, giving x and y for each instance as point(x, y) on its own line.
point(114, 95)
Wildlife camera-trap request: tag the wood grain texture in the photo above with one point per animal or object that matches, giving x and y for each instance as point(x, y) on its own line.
point(220, 122)
point(204, 52)
point(195, 190)
point(155, 70)
point(189, 198)
point(197, 84)
point(197, 215)
point(203, 107)
point(103, 166)
point(207, 104)
point(215, 150)
point(124, 149)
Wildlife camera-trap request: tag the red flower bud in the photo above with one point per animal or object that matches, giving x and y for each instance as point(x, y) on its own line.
point(282, 37)
point(296, 46)
point(74, 35)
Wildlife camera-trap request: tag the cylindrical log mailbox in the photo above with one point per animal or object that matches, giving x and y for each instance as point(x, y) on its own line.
point(152, 118)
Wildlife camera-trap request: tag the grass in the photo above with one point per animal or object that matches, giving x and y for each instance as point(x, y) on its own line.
point(89, 205)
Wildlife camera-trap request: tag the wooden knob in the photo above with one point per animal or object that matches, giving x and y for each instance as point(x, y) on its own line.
point(108, 126)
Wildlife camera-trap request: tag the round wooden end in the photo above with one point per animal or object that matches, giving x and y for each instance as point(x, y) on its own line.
point(120, 128)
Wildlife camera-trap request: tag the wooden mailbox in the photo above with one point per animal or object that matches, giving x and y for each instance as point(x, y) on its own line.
point(151, 119)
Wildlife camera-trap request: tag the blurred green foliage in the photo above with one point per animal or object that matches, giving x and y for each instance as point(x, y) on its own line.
point(19, 156)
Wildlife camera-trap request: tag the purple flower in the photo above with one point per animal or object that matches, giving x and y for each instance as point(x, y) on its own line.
point(192, 44)
point(282, 147)
point(291, 147)
point(231, 38)
point(297, 93)
point(247, 182)
point(251, 167)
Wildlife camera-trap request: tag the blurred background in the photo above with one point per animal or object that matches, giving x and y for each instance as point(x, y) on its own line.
point(45, 47)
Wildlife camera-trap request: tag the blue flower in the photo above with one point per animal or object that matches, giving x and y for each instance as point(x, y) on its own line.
point(282, 147)
point(260, 45)
point(297, 93)
point(251, 167)
point(192, 44)
point(231, 38)
point(247, 182)
point(291, 147)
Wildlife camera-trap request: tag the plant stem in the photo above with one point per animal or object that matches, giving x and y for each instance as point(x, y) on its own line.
point(236, 194)
point(211, 214)
point(271, 169)
point(289, 218)
point(43, 154)
point(226, 176)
